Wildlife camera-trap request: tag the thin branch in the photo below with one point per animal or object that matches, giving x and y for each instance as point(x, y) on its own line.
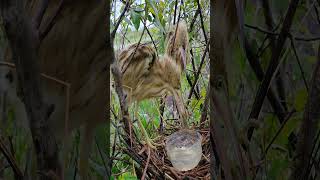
point(311, 163)
point(298, 60)
point(117, 75)
point(202, 23)
point(307, 39)
point(114, 139)
point(317, 12)
point(196, 90)
point(113, 33)
point(261, 30)
point(262, 47)
point(278, 132)
point(194, 19)
point(176, 30)
point(147, 164)
point(260, 53)
point(153, 42)
point(279, 77)
point(198, 72)
point(257, 69)
point(273, 66)
point(269, 21)
point(161, 109)
point(175, 12)
point(141, 162)
point(194, 73)
point(190, 84)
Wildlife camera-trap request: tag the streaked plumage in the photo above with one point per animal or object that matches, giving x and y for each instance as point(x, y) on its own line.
point(145, 76)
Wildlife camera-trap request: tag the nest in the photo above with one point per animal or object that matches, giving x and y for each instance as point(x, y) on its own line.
point(154, 163)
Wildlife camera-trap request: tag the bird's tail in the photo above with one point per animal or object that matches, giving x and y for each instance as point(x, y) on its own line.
point(178, 44)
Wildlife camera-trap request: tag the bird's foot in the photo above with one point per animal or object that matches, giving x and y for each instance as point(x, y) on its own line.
point(150, 142)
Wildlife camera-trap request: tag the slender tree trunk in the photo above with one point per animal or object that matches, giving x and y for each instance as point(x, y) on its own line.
point(224, 24)
point(107, 92)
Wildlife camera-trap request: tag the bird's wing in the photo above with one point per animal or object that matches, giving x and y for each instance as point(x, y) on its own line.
point(137, 54)
point(135, 62)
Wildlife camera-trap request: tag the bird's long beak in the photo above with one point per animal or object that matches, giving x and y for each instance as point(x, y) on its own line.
point(181, 108)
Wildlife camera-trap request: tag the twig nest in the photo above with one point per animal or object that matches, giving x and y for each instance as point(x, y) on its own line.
point(184, 149)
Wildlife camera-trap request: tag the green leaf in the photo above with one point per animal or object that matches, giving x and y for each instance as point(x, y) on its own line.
point(150, 18)
point(139, 9)
point(155, 12)
point(127, 176)
point(135, 19)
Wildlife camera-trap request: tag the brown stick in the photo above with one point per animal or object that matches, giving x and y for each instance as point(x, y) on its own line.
point(147, 164)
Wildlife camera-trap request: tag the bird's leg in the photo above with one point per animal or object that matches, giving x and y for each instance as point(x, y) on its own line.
point(148, 140)
point(181, 108)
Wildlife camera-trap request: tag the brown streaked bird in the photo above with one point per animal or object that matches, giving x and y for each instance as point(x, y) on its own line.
point(146, 76)
point(74, 52)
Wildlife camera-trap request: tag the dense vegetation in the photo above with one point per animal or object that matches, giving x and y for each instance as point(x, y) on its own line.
point(149, 22)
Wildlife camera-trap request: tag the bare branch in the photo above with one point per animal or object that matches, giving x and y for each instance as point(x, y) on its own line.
point(298, 60)
point(273, 66)
point(279, 131)
point(202, 23)
point(198, 72)
point(113, 33)
point(257, 69)
point(307, 39)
